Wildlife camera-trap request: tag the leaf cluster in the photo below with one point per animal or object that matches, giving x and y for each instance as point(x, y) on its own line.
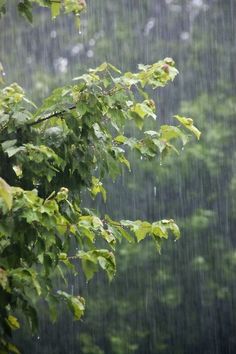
point(25, 7)
point(53, 153)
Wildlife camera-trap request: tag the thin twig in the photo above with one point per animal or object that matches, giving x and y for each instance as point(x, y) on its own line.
point(51, 115)
point(58, 113)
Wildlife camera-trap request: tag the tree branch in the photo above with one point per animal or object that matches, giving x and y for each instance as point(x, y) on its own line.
point(58, 113)
point(50, 115)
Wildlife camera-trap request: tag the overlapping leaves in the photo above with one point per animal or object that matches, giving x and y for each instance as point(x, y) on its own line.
point(25, 7)
point(49, 157)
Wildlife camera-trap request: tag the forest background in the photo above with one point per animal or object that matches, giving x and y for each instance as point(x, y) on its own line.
point(183, 300)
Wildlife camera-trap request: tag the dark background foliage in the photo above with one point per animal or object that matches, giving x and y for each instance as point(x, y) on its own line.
point(184, 300)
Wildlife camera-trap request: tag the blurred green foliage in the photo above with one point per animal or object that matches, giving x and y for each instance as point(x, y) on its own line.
point(182, 301)
point(50, 154)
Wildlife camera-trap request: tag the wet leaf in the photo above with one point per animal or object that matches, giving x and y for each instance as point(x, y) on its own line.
point(6, 193)
point(188, 124)
point(13, 322)
point(55, 8)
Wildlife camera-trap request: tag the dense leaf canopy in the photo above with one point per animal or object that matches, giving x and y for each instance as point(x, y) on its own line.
point(49, 156)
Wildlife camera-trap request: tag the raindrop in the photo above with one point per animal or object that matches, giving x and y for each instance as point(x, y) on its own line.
point(39, 85)
point(149, 26)
point(92, 42)
point(77, 49)
point(29, 60)
point(175, 8)
point(155, 191)
point(98, 35)
point(61, 64)
point(90, 53)
point(184, 36)
point(53, 34)
point(197, 3)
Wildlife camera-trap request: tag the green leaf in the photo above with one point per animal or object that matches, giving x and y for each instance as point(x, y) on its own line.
point(143, 228)
point(159, 230)
point(100, 68)
point(52, 304)
point(114, 69)
point(140, 228)
point(9, 147)
point(13, 322)
point(75, 303)
point(169, 132)
point(120, 139)
point(188, 124)
point(143, 110)
point(20, 118)
point(107, 262)
point(8, 143)
point(29, 102)
point(122, 159)
point(81, 108)
point(175, 229)
point(89, 269)
point(55, 8)
point(3, 279)
point(26, 277)
point(125, 234)
point(91, 259)
point(25, 8)
point(77, 22)
point(2, 3)
point(12, 348)
point(6, 193)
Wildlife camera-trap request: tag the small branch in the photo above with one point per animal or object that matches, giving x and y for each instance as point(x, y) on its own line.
point(58, 113)
point(51, 115)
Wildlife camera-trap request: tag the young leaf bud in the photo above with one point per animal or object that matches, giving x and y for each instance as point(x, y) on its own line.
point(165, 68)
